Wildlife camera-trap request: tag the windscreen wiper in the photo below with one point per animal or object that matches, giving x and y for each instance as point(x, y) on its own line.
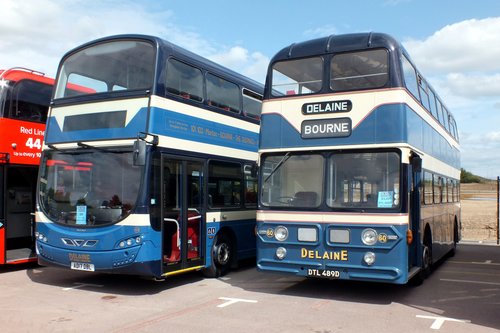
point(283, 160)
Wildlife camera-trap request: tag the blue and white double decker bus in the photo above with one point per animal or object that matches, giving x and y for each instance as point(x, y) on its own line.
point(359, 164)
point(146, 168)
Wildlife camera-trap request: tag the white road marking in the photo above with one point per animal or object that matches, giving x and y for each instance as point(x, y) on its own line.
point(231, 301)
point(439, 321)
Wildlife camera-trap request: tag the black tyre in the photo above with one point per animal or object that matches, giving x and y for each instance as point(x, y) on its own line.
point(455, 240)
point(222, 256)
point(425, 269)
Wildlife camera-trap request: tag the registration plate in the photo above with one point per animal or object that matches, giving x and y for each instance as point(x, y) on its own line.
point(323, 273)
point(82, 266)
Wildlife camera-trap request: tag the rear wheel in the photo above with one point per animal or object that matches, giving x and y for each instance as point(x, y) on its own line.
point(426, 267)
point(455, 239)
point(426, 260)
point(222, 256)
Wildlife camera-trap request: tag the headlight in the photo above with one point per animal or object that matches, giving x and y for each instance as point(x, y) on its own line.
point(281, 233)
point(130, 242)
point(369, 258)
point(41, 237)
point(369, 237)
point(280, 253)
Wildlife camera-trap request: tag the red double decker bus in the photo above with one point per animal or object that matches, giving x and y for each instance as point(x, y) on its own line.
point(24, 100)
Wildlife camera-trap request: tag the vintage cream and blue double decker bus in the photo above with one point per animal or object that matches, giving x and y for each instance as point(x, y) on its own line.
point(359, 163)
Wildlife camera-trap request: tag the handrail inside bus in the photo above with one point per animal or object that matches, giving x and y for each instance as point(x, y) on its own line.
point(165, 219)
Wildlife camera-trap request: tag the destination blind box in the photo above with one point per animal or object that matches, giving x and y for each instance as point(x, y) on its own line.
point(326, 128)
point(327, 107)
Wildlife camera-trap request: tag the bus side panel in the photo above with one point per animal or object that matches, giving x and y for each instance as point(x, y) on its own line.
point(342, 261)
point(244, 232)
point(241, 229)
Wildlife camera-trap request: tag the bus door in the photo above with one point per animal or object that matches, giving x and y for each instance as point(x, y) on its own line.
point(414, 180)
point(182, 188)
point(16, 220)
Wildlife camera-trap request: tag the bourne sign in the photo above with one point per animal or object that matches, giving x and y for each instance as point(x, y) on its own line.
point(326, 128)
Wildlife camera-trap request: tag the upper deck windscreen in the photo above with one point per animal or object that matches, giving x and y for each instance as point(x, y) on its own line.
point(347, 71)
point(105, 67)
point(25, 100)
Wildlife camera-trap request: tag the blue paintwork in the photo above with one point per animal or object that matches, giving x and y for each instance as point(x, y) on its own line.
point(163, 122)
point(106, 255)
point(391, 258)
point(178, 125)
point(390, 123)
point(54, 133)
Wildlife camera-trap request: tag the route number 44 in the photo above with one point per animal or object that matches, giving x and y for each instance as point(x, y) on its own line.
point(36, 143)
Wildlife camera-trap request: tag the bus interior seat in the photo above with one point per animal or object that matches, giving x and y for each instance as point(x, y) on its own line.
point(305, 199)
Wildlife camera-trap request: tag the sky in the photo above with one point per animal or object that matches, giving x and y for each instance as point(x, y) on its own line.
point(454, 43)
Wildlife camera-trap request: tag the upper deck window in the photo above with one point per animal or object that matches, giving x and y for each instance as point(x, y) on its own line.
point(105, 67)
point(297, 77)
point(359, 70)
point(222, 94)
point(410, 77)
point(184, 80)
point(252, 104)
point(424, 93)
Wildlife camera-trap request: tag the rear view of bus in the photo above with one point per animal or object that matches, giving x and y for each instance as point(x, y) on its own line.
point(359, 164)
point(24, 102)
point(146, 168)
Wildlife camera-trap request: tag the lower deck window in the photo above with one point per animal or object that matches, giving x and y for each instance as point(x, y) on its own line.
point(366, 180)
point(338, 180)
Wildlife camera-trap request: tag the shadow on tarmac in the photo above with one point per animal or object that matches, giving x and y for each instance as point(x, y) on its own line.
point(465, 287)
point(126, 285)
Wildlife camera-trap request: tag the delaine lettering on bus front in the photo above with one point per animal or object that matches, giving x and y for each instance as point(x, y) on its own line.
point(79, 257)
point(326, 255)
point(327, 107)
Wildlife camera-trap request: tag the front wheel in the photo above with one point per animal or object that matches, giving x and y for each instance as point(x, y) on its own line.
point(222, 255)
point(426, 267)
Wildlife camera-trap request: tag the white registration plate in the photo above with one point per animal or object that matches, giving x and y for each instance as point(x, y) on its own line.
point(323, 273)
point(82, 266)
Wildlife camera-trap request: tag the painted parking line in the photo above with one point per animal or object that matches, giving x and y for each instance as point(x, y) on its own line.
point(231, 301)
point(439, 321)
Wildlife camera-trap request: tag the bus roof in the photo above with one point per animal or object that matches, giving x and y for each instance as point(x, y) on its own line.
point(167, 49)
point(337, 43)
point(21, 73)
